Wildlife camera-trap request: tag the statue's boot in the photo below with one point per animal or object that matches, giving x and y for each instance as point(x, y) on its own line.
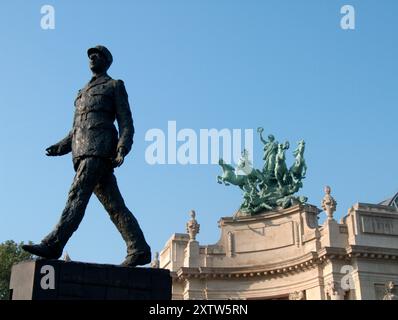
point(43, 250)
point(137, 259)
point(138, 251)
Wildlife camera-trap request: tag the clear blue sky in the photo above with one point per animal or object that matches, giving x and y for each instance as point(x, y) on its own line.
point(283, 65)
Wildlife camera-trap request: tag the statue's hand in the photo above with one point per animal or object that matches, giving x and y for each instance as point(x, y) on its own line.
point(120, 157)
point(52, 151)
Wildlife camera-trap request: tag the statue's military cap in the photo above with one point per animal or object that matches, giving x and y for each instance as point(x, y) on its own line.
point(102, 50)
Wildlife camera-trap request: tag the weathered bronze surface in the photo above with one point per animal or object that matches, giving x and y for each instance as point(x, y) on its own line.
point(97, 148)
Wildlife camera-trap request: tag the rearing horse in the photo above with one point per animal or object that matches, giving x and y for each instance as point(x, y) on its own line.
point(229, 176)
point(299, 168)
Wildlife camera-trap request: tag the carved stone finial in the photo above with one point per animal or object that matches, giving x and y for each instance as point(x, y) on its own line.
point(155, 263)
point(334, 291)
point(297, 295)
point(328, 203)
point(67, 257)
point(388, 294)
point(193, 226)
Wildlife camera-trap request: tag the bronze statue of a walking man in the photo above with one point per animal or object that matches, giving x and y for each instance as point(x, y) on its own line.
point(97, 148)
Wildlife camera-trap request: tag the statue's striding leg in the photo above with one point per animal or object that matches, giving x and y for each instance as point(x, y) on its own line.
point(109, 195)
point(87, 175)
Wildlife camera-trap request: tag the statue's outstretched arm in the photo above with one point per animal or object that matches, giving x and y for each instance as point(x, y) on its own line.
point(262, 138)
point(62, 147)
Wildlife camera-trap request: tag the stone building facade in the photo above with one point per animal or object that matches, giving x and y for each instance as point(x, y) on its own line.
point(288, 255)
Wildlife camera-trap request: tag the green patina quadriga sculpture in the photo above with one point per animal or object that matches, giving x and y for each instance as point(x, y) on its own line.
point(273, 187)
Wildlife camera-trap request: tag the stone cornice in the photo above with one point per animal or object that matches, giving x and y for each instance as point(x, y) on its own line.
point(328, 254)
point(372, 252)
point(376, 208)
point(271, 214)
point(276, 269)
point(299, 264)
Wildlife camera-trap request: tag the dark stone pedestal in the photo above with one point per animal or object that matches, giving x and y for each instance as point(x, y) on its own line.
point(58, 280)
